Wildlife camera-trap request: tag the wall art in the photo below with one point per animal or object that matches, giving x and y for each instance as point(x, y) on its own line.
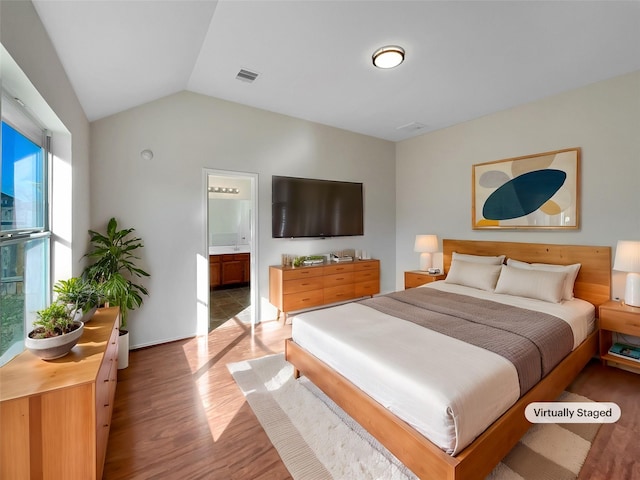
point(538, 191)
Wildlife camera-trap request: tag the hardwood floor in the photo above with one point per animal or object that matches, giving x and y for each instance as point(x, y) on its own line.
point(179, 414)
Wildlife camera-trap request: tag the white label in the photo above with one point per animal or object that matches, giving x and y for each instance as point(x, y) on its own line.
point(572, 412)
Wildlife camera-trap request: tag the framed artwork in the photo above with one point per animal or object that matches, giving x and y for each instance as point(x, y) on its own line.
point(533, 192)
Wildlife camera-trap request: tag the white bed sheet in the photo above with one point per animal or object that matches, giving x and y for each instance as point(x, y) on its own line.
point(448, 390)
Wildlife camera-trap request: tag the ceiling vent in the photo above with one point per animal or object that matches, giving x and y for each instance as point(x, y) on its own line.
point(411, 127)
point(246, 75)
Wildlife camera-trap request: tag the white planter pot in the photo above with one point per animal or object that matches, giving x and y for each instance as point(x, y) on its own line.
point(123, 350)
point(54, 347)
point(85, 317)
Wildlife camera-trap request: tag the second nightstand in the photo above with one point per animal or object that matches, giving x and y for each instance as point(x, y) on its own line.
point(619, 318)
point(415, 278)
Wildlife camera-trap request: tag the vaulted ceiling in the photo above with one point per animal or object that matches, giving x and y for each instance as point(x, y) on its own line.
point(463, 59)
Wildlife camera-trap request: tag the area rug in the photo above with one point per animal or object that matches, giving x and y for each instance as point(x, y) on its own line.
point(316, 439)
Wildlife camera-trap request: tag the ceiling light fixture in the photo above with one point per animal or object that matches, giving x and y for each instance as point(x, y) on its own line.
point(223, 190)
point(388, 57)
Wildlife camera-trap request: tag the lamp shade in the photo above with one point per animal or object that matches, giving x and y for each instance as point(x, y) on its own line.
point(628, 260)
point(627, 256)
point(426, 243)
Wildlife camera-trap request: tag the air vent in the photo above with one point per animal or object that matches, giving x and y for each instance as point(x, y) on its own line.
point(246, 75)
point(411, 127)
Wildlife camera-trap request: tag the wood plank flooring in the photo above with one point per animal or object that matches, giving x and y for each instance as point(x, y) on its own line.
point(179, 414)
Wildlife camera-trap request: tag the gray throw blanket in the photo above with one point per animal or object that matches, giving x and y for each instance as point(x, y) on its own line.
point(534, 342)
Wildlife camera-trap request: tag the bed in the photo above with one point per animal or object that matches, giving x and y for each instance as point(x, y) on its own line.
point(473, 451)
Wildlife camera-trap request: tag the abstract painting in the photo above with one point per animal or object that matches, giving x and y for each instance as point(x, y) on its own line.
point(538, 191)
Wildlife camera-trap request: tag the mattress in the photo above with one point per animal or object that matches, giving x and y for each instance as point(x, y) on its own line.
point(448, 390)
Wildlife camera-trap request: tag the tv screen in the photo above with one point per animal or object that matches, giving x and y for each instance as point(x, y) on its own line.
point(307, 207)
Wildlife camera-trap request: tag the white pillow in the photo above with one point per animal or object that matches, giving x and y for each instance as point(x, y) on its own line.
point(539, 284)
point(476, 275)
point(497, 260)
point(570, 270)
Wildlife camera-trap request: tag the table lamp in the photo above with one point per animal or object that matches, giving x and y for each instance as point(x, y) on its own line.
point(628, 260)
point(426, 245)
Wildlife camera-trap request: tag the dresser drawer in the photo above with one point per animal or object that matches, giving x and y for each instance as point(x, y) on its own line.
point(370, 288)
point(338, 279)
point(338, 268)
point(301, 300)
point(339, 293)
point(622, 322)
point(302, 285)
point(367, 265)
point(367, 275)
point(297, 273)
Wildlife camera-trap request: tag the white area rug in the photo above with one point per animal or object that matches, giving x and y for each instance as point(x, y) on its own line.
point(317, 440)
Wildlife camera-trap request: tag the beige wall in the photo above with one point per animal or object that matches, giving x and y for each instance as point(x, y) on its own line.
point(164, 198)
point(433, 171)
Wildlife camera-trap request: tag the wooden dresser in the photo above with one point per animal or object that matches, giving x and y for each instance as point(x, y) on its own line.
point(292, 289)
point(56, 415)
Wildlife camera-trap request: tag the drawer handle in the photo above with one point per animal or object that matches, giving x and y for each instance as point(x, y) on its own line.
point(105, 425)
point(106, 380)
point(106, 404)
point(306, 299)
point(304, 284)
point(341, 278)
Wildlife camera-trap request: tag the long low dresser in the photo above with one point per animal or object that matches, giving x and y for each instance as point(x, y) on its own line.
point(299, 288)
point(55, 415)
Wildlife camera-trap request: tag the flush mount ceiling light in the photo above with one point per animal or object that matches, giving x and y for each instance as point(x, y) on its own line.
point(388, 57)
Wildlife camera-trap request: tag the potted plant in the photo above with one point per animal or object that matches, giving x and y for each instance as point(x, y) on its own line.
point(55, 332)
point(80, 293)
point(115, 271)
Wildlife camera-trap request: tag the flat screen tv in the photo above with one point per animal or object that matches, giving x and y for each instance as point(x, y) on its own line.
point(308, 207)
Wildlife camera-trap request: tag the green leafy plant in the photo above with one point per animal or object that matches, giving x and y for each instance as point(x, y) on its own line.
point(52, 321)
point(114, 269)
point(83, 293)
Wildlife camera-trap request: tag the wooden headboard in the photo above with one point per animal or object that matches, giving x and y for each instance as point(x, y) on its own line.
point(594, 278)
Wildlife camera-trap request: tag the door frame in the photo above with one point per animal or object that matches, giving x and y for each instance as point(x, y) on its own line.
point(253, 226)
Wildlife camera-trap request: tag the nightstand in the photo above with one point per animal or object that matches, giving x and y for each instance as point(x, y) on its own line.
point(619, 318)
point(415, 278)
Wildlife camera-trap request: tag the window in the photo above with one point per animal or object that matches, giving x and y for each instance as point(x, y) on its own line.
point(24, 226)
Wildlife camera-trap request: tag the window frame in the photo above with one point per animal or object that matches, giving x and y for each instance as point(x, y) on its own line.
point(15, 114)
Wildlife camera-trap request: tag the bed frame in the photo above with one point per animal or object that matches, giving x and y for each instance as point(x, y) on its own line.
point(476, 461)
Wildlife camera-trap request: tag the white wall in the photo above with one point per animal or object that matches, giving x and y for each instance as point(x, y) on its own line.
point(434, 170)
point(35, 74)
point(163, 199)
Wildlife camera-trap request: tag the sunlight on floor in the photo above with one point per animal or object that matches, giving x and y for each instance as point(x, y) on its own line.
point(230, 332)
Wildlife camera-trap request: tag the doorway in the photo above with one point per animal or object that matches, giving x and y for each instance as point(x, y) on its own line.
point(231, 199)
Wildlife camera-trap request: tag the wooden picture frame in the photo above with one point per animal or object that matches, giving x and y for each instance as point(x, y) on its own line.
point(540, 191)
